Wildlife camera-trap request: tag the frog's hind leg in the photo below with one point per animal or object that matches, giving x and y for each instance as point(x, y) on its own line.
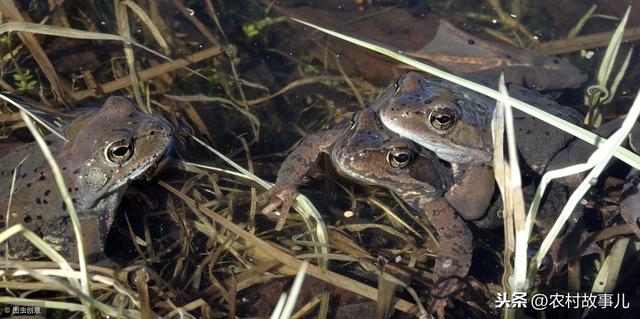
point(455, 245)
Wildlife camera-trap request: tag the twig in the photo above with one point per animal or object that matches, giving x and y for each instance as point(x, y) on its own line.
point(5, 86)
point(584, 42)
point(196, 23)
point(148, 73)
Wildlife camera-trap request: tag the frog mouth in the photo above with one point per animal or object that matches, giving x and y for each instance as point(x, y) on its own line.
point(149, 173)
point(156, 168)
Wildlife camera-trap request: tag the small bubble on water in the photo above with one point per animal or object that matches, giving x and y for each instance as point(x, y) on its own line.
point(103, 23)
point(494, 21)
point(191, 11)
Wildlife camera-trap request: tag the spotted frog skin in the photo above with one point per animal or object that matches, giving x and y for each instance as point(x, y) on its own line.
point(106, 149)
point(366, 153)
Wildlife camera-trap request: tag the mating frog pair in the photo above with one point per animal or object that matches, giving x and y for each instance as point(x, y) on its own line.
point(362, 150)
point(378, 147)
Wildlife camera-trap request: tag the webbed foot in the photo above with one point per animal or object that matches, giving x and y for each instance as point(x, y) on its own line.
point(279, 196)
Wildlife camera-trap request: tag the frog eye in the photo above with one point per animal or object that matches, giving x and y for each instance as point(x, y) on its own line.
point(119, 151)
point(442, 118)
point(400, 157)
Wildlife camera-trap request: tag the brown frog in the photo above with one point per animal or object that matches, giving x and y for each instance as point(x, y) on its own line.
point(462, 52)
point(455, 123)
point(366, 153)
point(422, 36)
point(106, 149)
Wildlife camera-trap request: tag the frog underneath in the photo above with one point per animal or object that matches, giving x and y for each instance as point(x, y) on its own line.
point(106, 149)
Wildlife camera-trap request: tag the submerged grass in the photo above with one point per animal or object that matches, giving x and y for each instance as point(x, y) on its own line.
point(302, 204)
point(83, 35)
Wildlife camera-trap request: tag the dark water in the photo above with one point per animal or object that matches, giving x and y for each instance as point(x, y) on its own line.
point(268, 53)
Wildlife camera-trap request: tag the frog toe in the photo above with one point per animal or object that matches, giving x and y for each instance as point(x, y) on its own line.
point(287, 198)
point(281, 197)
point(272, 206)
point(437, 307)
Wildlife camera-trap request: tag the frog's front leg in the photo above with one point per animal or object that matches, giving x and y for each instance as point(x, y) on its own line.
point(472, 189)
point(455, 244)
point(293, 170)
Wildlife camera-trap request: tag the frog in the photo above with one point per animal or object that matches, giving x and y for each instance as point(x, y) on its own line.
point(461, 52)
point(455, 123)
point(103, 151)
point(426, 37)
point(363, 151)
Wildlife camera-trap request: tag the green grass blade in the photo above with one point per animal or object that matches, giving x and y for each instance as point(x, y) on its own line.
point(610, 54)
point(601, 158)
point(616, 81)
